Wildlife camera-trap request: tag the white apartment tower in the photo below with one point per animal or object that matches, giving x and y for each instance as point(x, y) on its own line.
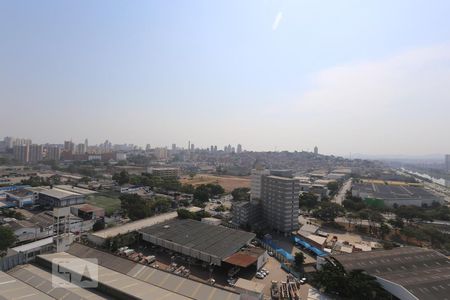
point(279, 201)
point(256, 183)
point(21, 153)
point(35, 153)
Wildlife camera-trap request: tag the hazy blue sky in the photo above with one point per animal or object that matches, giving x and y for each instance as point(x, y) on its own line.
point(349, 76)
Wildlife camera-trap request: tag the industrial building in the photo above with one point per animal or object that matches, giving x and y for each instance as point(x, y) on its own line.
point(99, 237)
point(208, 243)
point(112, 277)
point(20, 198)
point(164, 172)
point(391, 194)
point(408, 273)
point(58, 197)
point(161, 279)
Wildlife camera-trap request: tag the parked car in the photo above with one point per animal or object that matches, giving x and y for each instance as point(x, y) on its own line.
point(259, 275)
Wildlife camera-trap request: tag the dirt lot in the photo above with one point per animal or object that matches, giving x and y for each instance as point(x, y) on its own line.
point(229, 183)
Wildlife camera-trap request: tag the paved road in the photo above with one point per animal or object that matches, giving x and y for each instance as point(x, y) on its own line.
point(340, 196)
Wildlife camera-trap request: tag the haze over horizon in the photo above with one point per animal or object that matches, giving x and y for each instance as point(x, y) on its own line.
point(360, 77)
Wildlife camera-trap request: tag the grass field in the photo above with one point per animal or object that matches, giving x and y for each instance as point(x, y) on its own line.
point(109, 201)
point(229, 183)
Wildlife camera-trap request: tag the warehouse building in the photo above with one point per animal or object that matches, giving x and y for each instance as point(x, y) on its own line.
point(159, 278)
point(99, 237)
point(56, 197)
point(208, 243)
point(164, 172)
point(408, 273)
point(392, 195)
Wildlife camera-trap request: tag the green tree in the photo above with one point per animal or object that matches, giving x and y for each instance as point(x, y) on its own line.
point(328, 211)
point(308, 201)
point(122, 177)
point(215, 189)
point(134, 206)
point(161, 204)
point(333, 187)
point(241, 194)
point(185, 214)
point(334, 280)
point(187, 188)
point(384, 230)
point(7, 238)
point(299, 260)
point(201, 195)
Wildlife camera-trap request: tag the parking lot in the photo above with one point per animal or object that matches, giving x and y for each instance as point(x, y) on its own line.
point(276, 273)
point(165, 258)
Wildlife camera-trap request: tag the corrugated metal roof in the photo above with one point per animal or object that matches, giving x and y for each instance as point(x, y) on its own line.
point(11, 288)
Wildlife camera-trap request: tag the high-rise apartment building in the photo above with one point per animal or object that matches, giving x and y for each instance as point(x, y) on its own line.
point(239, 148)
point(8, 142)
point(256, 182)
point(86, 145)
point(35, 153)
point(279, 202)
point(21, 142)
point(160, 153)
point(69, 146)
point(80, 149)
point(21, 153)
point(53, 153)
point(316, 150)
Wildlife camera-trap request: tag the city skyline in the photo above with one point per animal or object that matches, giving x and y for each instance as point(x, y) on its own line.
point(265, 74)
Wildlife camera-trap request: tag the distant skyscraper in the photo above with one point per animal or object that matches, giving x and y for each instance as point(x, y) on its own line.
point(215, 148)
point(174, 147)
point(9, 142)
point(212, 148)
point(86, 145)
point(239, 148)
point(21, 142)
point(189, 145)
point(35, 153)
point(21, 153)
point(316, 150)
point(81, 149)
point(69, 146)
point(160, 153)
point(447, 163)
point(192, 147)
point(148, 147)
point(53, 153)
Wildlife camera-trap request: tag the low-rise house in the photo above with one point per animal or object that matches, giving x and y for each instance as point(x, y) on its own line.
point(25, 230)
point(87, 211)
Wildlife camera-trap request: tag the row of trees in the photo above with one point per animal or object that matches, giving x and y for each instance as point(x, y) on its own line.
point(332, 279)
point(186, 214)
point(202, 193)
point(42, 181)
point(136, 207)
